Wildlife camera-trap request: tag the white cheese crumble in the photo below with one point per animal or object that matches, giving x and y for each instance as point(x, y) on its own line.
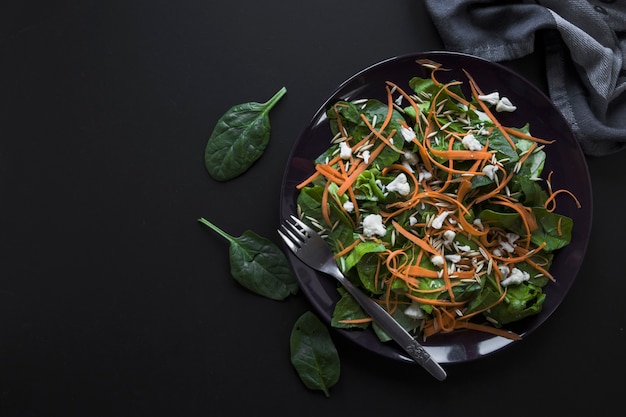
point(373, 225)
point(345, 151)
point(366, 156)
point(348, 206)
point(470, 142)
point(517, 276)
point(399, 185)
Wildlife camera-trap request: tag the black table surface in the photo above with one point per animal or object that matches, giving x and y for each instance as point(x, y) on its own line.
point(115, 301)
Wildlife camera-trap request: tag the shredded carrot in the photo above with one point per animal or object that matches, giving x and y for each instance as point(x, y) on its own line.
point(550, 203)
point(464, 324)
point(442, 303)
point(357, 321)
point(330, 173)
point(522, 135)
point(348, 248)
point(414, 238)
point(462, 154)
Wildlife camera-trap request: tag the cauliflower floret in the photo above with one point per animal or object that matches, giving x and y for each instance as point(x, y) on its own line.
point(449, 235)
point(491, 98)
point(437, 222)
point(517, 276)
point(400, 185)
point(366, 156)
point(345, 151)
point(373, 225)
point(470, 142)
point(490, 171)
point(504, 104)
point(437, 260)
point(407, 133)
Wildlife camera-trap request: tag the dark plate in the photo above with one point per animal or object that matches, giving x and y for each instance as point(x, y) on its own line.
point(564, 157)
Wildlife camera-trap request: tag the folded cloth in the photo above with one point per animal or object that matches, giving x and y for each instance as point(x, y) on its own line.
point(584, 45)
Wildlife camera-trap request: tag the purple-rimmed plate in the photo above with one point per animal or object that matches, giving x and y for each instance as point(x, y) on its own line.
point(564, 157)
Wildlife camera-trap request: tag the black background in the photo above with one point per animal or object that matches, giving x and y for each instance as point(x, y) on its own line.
point(115, 301)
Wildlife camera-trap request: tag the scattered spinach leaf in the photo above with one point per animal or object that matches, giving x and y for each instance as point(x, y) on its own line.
point(314, 354)
point(239, 138)
point(258, 264)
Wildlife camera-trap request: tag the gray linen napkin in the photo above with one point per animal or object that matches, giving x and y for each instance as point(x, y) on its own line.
point(585, 52)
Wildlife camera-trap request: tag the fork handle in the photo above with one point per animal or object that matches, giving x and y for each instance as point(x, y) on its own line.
point(394, 329)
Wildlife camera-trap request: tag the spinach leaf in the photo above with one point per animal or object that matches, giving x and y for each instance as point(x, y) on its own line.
point(423, 86)
point(359, 251)
point(347, 308)
point(239, 138)
point(521, 301)
point(367, 270)
point(314, 354)
point(549, 231)
point(258, 264)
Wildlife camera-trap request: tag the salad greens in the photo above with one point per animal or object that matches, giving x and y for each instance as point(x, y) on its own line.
point(239, 138)
point(435, 209)
point(313, 353)
point(258, 264)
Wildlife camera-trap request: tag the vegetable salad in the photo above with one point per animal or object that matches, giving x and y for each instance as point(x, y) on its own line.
point(436, 209)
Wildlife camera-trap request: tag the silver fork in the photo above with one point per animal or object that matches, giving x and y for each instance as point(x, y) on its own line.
point(311, 249)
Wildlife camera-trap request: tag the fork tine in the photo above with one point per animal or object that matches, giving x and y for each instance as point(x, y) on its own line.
point(295, 231)
point(292, 232)
point(303, 225)
point(288, 241)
